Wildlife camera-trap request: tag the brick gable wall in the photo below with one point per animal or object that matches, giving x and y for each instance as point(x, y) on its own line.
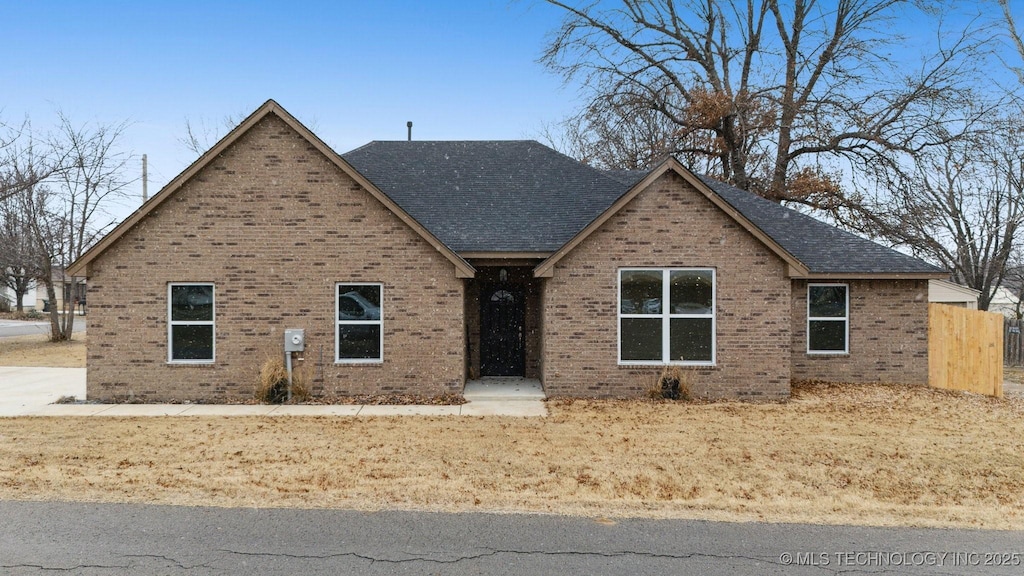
point(670, 224)
point(888, 334)
point(274, 225)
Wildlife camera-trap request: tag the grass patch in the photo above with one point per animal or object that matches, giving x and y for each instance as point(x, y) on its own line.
point(876, 455)
point(36, 350)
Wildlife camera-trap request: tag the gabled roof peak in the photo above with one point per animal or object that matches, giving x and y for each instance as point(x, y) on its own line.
point(462, 268)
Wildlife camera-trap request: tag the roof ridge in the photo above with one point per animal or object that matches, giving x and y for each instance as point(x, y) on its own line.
point(367, 145)
point(602, 173)
point(807, 217)
point(766, 212)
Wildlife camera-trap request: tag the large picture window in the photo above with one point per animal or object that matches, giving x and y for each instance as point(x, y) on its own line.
point(360, 330)
point(190, 326)
point(828, 319)
point(667, 316)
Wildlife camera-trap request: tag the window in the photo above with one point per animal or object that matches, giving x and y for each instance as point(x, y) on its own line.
point(190, 330)
point(667, 316)
point(360, 333)
point(828, 322)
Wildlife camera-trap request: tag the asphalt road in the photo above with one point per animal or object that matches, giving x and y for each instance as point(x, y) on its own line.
point(22, 328)
point(104, 539)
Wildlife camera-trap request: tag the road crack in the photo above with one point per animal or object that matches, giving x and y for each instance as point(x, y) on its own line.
point(454, 559)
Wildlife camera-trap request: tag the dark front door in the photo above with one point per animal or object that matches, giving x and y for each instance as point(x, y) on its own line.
point(502, 352)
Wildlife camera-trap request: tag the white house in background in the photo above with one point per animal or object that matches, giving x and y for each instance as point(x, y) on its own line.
point(29, 301)
point(946, 292)
point(1005, 302)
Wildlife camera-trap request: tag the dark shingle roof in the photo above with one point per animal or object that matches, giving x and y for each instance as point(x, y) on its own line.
point(823, 248)
point(627, 177)
point(489, 196)
point(521, 196)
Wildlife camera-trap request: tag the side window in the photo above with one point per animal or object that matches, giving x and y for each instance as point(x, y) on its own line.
point(191, 331)
point(828, 319)
point(359, 332)
point(667, 316)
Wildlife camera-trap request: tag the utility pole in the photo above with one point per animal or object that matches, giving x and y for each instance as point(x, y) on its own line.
point(145, 180)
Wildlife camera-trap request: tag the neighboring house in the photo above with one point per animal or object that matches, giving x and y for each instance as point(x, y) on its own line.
point(414, 266)
point(1005, 302)
point(66, 289)
point(953, 294)
point(28, 300)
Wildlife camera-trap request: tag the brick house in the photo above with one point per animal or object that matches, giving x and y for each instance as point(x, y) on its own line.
point(416, 266)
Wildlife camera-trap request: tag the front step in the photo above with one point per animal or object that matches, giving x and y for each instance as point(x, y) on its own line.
point(503, 388)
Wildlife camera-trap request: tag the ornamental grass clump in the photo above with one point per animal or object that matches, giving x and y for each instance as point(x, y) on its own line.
point(272, 383)
point(673, 384)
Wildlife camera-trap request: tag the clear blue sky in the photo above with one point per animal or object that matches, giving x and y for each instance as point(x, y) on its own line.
point(353, 71)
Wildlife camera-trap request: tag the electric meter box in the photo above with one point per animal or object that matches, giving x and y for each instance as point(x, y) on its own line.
point(294, 340)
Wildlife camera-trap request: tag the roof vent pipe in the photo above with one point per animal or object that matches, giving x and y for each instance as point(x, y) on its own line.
point(409, 126)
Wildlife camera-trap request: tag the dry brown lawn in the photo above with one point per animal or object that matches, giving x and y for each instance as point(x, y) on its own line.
point(37, 350)
point(876, 455)
point(1014, 374)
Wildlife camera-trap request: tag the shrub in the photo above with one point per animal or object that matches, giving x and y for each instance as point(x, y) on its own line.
point(673, 384)
point(272, 384)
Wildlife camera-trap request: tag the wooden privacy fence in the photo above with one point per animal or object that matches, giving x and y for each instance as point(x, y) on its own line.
point(965, 349)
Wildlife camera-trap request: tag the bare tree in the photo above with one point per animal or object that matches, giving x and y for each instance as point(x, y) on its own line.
point(769, 90)
point(960, 205)
point(74, 217)
point(616, 132)
point(24, 164)
point(19, 261)
point(1013, 281)
point(201, 135)
point(1015, 40)
point(61, 188)
point(14, 142)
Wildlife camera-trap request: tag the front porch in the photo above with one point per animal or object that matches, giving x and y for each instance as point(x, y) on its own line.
point(503, 325)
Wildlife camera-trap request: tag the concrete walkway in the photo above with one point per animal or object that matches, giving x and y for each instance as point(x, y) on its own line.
point(32, 391)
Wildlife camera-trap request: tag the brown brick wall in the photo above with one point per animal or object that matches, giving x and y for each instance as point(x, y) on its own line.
point(668, 225)
point(274, 225)
point(888, 334)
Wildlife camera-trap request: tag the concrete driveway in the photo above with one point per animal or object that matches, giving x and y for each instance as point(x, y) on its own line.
point(29, 390)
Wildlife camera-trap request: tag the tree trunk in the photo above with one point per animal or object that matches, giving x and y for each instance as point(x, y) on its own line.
point(69, 316)
point(21, 288)
point(51, 295)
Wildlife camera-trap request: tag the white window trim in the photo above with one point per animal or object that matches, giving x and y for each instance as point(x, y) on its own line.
point(338, 323)
point(172, 323)
point(846, 319)
point(666, 317)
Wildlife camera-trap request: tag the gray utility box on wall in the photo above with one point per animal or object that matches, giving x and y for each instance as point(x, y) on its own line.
point(294, 340)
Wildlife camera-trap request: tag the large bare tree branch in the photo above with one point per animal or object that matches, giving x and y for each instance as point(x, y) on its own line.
point(771, 90)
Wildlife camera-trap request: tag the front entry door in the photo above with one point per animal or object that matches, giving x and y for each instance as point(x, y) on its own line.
point(502, 314)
